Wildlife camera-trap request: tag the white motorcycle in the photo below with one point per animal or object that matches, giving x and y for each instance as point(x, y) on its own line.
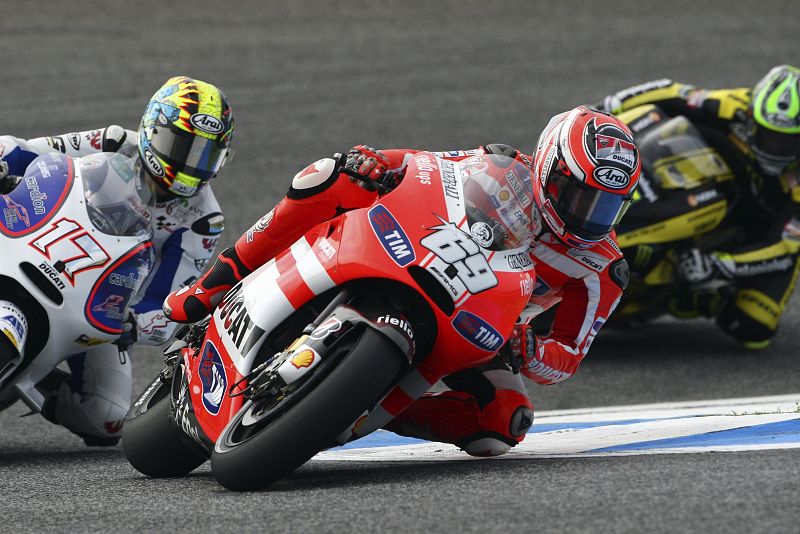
point(76, 245)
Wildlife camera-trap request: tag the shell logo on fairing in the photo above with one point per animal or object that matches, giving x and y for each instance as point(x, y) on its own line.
point(304, 358)
point(212, 376)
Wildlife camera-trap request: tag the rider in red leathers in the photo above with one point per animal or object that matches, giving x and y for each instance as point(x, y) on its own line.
point(584, 173)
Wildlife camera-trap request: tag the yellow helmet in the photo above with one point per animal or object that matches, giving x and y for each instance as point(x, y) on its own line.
point(185, 135)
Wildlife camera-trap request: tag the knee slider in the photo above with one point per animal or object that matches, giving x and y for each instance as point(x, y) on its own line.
point(486, 447)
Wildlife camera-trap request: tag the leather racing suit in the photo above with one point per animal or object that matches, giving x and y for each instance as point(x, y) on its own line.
point(94, 400)
point(485, 411)
point(765, 263)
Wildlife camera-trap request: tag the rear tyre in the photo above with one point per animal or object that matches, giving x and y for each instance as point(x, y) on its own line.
point(243, 460)
point(152, 441)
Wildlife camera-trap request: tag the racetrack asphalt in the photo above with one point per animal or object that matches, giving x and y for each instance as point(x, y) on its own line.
point(307, 79)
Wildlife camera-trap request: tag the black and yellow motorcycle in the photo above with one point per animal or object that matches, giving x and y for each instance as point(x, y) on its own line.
point(686, 190)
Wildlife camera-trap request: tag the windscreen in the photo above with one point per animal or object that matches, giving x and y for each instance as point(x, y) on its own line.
point(498, 195)
point(118, 200)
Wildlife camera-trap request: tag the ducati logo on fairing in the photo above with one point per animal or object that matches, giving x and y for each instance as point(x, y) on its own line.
point(236, 322)
point(212, 376)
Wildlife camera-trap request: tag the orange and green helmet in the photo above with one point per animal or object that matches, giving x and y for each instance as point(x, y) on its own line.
point(185, 135)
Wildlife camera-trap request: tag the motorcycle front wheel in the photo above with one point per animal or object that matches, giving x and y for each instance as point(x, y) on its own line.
point(264, 441)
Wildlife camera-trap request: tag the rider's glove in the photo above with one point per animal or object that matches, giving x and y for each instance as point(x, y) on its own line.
point(7, 181)
point(522, 345)
point(365, 164)
point(130, 332)
point(695, 266)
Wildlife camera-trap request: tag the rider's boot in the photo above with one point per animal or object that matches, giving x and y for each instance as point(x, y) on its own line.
point(456, 417)
point(318, 193)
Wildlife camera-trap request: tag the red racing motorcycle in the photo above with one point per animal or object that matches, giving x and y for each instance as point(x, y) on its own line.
point(335, 336)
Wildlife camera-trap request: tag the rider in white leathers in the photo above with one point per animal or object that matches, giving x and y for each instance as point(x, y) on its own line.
point(179, 158)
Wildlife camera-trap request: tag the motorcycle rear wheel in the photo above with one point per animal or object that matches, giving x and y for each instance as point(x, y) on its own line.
point(151, 440)
point(311, 423)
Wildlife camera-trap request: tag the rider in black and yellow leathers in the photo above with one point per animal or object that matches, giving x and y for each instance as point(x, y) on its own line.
point(757, 132)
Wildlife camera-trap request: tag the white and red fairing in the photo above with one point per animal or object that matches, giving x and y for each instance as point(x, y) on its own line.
point(381, 241)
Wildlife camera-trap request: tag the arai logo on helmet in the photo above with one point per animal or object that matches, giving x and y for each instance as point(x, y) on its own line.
point(612, 177)
point(153, 163)
point(207, 123)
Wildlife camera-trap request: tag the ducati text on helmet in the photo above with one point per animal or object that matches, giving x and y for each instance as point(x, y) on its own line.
point(185, 135)
point(586, 168)
point(775, 123)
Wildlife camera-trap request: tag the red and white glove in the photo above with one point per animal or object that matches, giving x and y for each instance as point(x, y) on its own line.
point(365, 163)
point(522, 345)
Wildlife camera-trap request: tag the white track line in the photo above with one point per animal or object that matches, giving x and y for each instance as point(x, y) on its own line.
point(648, 422)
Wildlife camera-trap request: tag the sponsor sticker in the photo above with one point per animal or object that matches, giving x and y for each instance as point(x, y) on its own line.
point(482, 233)
point(477, 331)
point(391, 236)
point(74, 140)
point(207, 123)
point(612, 177)
point(302, 359)
point(88, 341)
point(213, 379)
point(153, 164)
point(328, 326)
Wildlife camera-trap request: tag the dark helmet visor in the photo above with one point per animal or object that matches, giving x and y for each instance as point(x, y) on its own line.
point(587, 212)
point(187, 153)
point(781, 145)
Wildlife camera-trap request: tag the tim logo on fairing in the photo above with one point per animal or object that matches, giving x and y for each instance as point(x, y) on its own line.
point(391, 236)
point(212, 376)
point(477, 331)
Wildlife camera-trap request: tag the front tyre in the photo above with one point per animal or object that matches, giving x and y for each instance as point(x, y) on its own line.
point(152, 441)
point(243, 460)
